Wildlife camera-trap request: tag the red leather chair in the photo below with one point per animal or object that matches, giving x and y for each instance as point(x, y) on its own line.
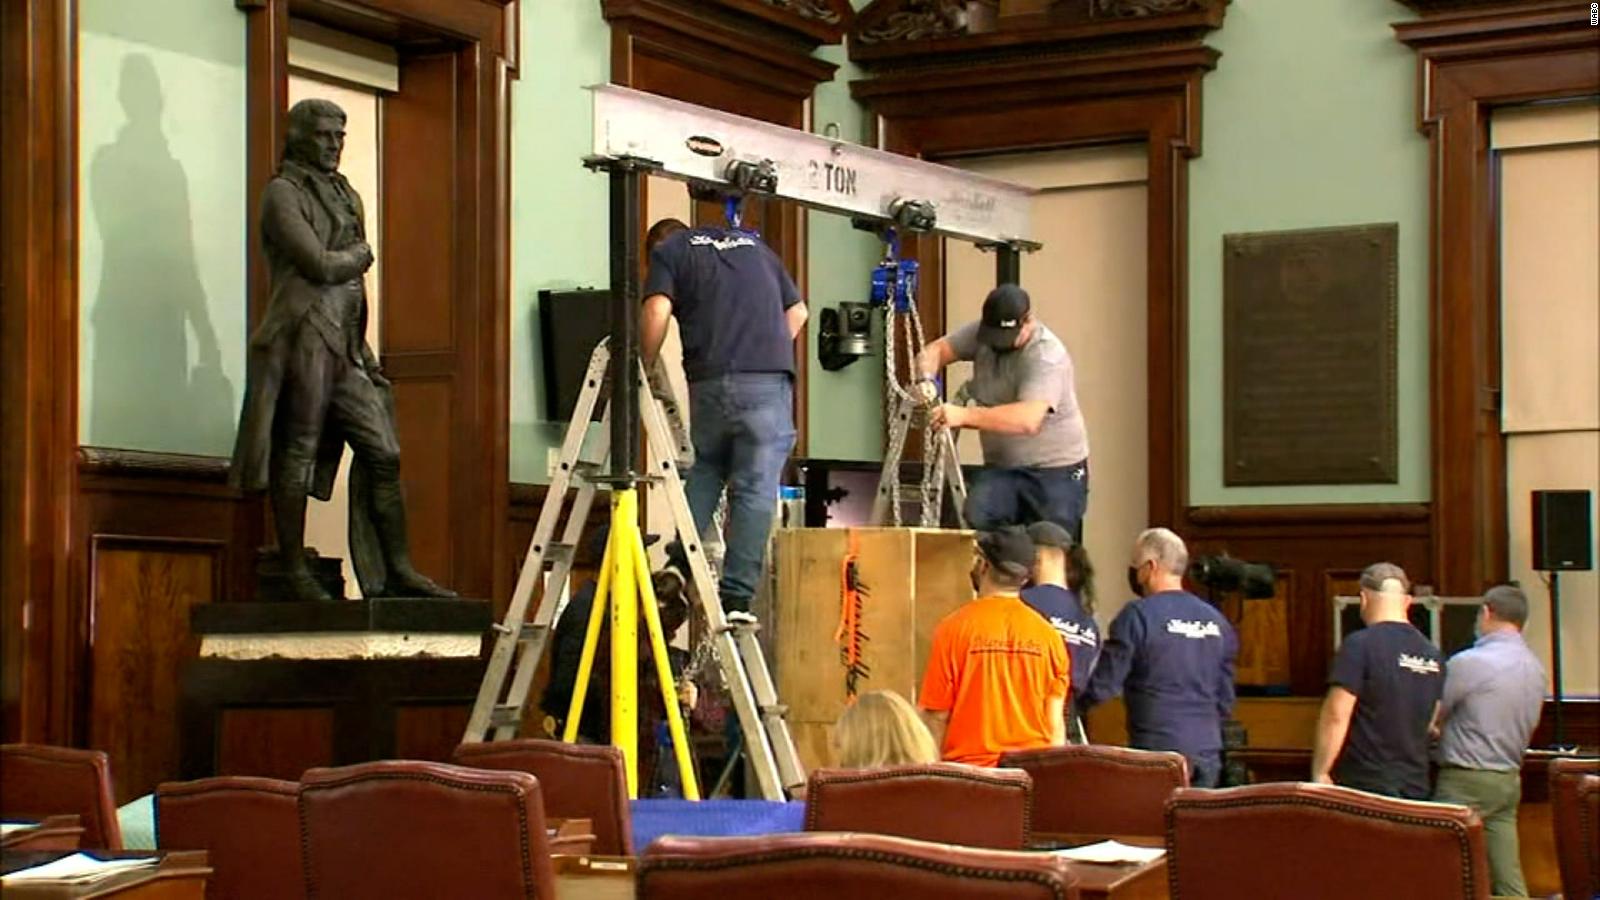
point(845, 867)
point(1094, 790)
point(579, 781)
point(1320, 842)
point(420, 829)
point(942, 802)
point(1577, 852)
point(249, 828)
point(38, 781)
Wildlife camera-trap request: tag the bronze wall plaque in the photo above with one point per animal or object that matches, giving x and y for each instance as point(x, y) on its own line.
point(1309, 342)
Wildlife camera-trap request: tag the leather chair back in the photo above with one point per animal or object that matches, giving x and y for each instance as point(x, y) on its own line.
point(578, 781)
point(942, 802)
point(1577, 854)
point(249, 828)
point(391, 829)
point(1095, 790)
point(845, 867)
point(38, 780)
point(1321, 842)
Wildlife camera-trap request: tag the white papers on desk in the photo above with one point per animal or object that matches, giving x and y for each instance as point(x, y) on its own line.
point(8, 827)
point(1111, 852)
point(79, 868)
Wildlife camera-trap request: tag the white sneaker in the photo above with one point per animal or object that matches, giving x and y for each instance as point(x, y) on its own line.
point(742, 617)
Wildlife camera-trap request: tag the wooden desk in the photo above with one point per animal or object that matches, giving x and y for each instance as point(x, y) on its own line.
point(51, 833)
point(595, 877)
point(178, 876)
point(570, 837)
point(1105, 881)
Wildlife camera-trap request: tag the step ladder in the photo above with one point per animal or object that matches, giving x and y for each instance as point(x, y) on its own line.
point(520, 641)
point(919, 502)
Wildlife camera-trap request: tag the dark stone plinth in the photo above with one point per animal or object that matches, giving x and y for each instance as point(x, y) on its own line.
point(427, 616)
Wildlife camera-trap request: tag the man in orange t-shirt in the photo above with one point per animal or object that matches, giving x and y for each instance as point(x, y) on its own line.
point(998, 674)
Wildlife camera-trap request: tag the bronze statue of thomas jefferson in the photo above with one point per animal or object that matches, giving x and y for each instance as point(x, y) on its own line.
point(314, 385)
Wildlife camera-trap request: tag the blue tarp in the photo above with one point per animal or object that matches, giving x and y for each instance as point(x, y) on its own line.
point(713, 818)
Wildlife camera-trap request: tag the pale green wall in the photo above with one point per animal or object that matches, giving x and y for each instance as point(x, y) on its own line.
point(846, 407)
point(559, 236)
point(1310, 121)
point(162, 253)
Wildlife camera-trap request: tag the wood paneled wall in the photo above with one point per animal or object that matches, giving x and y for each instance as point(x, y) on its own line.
point(1318, 552)
point(158, 534)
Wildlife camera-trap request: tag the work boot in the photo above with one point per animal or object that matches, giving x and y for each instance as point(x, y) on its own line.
point(289, 520)
point(389, 517)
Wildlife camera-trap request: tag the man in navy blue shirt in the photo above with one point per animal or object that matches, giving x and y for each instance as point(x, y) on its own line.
point(738, 312)
point(1063, 593)
point(1172, 655)
point(1383, 696)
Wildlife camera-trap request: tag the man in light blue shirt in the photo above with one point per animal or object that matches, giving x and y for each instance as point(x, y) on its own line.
point(1493, 693)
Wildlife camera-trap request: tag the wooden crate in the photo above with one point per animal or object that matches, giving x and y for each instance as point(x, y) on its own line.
point(914, 577)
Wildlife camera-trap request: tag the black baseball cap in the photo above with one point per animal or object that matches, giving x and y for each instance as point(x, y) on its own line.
point(1049, 534)
point(1003, 312)
point(1008, 549)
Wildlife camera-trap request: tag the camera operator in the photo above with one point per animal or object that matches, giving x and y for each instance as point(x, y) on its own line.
point(1172, 654)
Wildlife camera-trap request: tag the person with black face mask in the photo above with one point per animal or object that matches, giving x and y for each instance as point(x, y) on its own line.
point(1171, 655)
point(1035, 446)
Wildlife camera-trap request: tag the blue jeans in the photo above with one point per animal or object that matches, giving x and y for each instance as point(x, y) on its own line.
point(1002, 497)
point(742, 427)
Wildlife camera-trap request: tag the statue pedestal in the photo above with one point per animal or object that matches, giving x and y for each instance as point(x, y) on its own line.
point(282, 687)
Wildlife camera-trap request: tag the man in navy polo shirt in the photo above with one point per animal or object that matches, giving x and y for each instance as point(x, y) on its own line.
point(1172, 655)
point(1383, 696)
point(738, 312)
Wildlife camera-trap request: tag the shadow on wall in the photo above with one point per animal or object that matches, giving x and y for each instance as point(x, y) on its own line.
point(145, 393)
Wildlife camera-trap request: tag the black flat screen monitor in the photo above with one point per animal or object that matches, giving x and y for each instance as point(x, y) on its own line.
point(571, 323)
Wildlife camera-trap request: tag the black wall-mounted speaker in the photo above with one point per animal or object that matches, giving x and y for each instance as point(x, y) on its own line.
point(1563, 535)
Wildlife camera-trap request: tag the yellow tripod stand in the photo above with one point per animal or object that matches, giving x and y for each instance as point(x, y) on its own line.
point(625, 588)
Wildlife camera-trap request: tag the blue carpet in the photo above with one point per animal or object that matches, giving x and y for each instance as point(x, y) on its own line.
point(713, 818)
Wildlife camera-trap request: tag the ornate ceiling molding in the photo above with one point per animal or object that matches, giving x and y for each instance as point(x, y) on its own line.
point(897, 34)
point(821, 10)
point(917, 20)
point(1138, 9)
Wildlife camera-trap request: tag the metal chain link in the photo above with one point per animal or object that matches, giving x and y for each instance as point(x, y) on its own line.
point(907, 326)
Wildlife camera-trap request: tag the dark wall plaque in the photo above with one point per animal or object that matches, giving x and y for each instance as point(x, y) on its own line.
point(1309, 347)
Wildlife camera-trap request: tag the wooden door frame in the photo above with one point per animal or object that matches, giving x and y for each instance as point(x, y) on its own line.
point(38, 363)
point(1470, 60)
point(929, 107)
point(485, 36)
point(754, 61)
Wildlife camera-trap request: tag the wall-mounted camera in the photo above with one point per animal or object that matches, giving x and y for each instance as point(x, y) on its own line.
point(844, 335)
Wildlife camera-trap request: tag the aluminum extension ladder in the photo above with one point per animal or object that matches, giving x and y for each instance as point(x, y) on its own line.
point(520, 642)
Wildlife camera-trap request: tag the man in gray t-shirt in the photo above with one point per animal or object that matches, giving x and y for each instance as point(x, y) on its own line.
point(1493, 695)
point(1035, 447)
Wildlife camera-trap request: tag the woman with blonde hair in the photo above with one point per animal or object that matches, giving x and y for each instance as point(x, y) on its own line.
point(882, 729)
